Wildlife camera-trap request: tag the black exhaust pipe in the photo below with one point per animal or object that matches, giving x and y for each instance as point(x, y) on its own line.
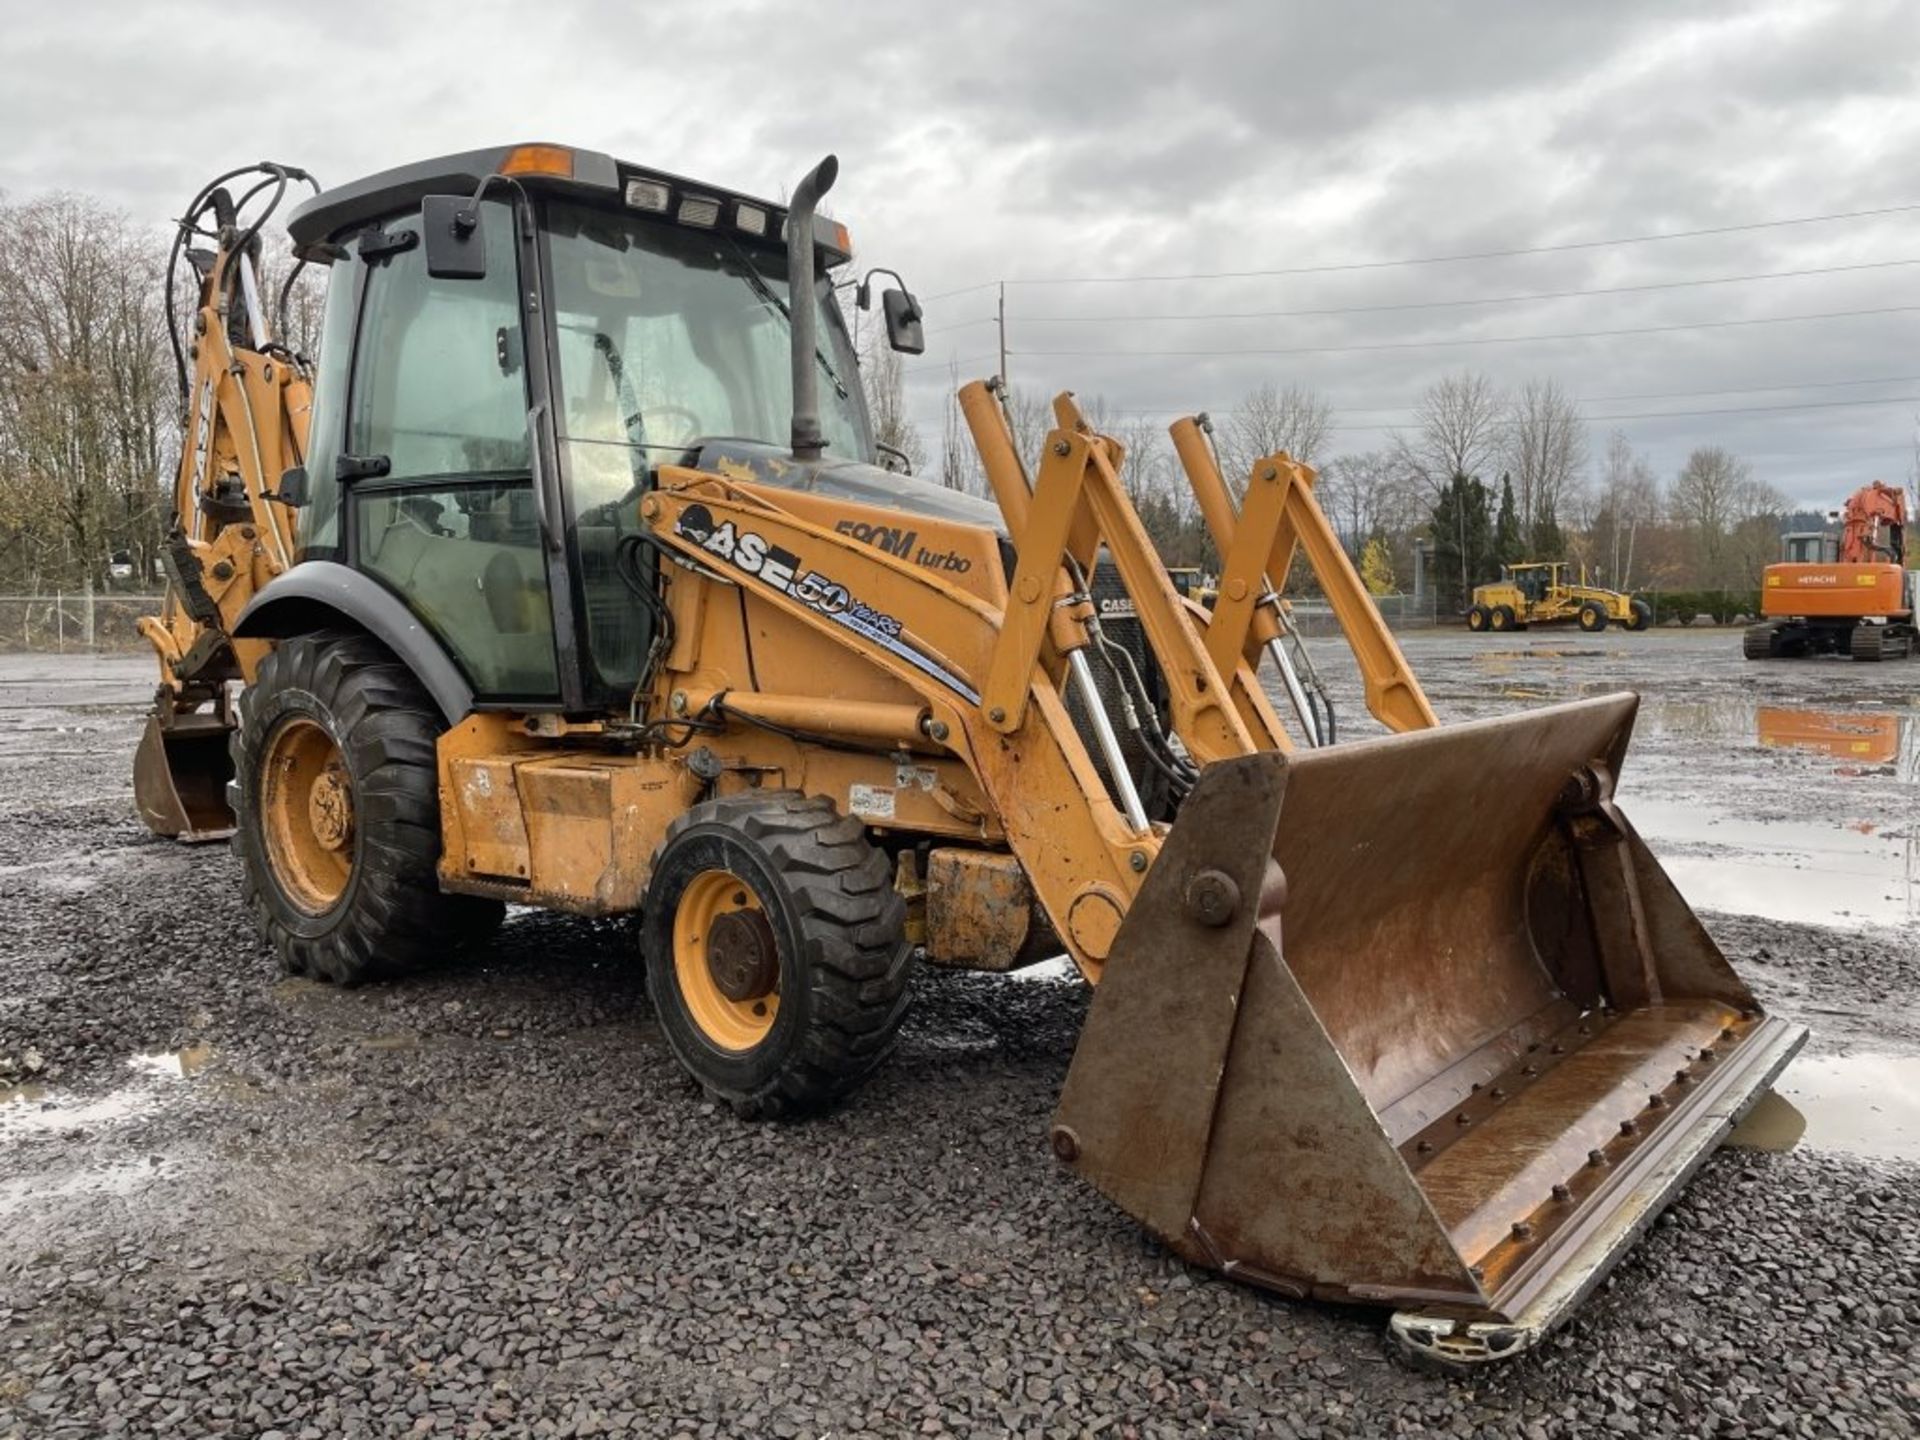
point(808, 441)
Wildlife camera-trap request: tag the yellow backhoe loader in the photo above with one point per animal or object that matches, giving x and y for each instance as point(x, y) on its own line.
point(566, 577)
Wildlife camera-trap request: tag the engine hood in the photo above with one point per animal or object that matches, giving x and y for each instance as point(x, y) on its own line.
point(846, 480)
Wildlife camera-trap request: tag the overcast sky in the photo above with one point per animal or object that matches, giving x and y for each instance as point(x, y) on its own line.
point(1046, 142)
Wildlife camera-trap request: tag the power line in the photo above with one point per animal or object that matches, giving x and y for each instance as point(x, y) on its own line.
point(1477, 340)
point(1441, 259)
point(1584, 399)
point(1755, 389)
point(1432, 304)
point(1691, 414)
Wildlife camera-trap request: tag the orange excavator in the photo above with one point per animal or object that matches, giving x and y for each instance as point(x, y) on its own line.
point(1845, 594)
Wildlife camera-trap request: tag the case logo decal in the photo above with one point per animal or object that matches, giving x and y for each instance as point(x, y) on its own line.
point(773, 565)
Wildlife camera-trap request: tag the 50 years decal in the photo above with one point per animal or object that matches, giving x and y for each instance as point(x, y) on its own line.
point(773, 565)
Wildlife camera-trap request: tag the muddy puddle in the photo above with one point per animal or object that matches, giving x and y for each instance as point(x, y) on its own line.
point(1812, 843)
point(1865, 1105)
point(1818, 872)
point(41, 1109)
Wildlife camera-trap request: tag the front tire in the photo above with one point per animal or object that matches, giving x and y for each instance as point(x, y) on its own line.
point(339, 814)
point(1641, 618)
point(775, 950)
point(1593, 617)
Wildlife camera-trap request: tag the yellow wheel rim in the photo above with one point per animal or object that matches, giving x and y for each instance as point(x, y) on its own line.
point(306, 813)
point(725, 960)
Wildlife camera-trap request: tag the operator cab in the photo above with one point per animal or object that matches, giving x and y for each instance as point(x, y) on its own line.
point(514, 339)
point(1533, 581)
point(1811, 547)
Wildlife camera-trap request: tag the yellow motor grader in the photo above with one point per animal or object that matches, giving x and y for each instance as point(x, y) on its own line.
point(566, 576)
point(1540, 592)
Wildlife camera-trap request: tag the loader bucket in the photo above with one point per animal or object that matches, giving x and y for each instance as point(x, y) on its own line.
point(1416, 1022)
point(180, 775)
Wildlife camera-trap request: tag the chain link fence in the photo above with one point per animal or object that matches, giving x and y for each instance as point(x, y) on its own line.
point(1400, 611)
point(78, 622)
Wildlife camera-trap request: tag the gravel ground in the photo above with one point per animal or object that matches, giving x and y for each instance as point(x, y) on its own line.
point(486, 1202)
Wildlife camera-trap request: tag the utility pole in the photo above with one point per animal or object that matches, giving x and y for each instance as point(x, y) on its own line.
point(1003, 332)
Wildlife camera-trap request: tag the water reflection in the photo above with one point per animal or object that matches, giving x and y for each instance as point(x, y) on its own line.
point(1852, 1104)
point(1866, 737)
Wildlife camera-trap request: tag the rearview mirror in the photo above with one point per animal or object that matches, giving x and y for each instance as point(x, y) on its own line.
point(450, 226)
point(293, 488)
point(905, 331)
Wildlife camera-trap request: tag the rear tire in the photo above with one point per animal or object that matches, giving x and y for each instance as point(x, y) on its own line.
point(1477, 618)
point(1593, 617)
point(802, 993)
point(1502, 619)
point(339, 814)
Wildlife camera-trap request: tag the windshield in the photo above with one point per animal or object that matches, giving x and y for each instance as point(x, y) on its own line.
point(668, 336)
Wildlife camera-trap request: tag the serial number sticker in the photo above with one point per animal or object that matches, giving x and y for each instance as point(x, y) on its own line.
point(873, 801)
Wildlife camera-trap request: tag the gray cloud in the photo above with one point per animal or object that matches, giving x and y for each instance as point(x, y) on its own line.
point(1030, 141)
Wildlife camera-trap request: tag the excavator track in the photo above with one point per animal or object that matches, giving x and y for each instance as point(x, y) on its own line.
point(1880, 642)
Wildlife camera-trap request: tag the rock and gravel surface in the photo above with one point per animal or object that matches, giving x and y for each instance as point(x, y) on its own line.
point(484, 1202)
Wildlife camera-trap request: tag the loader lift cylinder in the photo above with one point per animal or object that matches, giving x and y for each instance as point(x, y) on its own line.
point(1110, 750)
point(1296, 692)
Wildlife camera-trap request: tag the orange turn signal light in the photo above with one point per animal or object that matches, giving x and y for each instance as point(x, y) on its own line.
point(554, 160)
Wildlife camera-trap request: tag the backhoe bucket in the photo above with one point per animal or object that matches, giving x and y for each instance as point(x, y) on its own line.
point(180, 775)
point(1416, 1022)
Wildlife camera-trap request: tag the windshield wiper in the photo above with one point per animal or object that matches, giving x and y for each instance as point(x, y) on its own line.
point(758, 282)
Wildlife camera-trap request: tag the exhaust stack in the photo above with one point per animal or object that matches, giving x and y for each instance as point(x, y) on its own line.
point(808, 441)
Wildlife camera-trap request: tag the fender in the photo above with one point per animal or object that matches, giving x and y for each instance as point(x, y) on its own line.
point(316, 594)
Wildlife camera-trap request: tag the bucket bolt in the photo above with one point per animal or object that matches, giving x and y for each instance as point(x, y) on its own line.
point(1066, 1144)
point(1212, 897)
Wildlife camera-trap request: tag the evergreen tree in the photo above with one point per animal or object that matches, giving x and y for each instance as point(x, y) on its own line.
point(1463, 554)
point(1547, 540)
point(1507, 546)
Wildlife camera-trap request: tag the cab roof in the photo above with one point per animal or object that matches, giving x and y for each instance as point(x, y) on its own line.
point(589, 175)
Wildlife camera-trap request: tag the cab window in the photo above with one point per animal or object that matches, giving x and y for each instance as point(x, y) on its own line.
point(438, 389)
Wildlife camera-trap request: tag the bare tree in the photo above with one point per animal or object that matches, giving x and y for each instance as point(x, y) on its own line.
point(960, 467)
point(86, 407)
point(295, 294)
point(1362, 494)
point(1628, 498)
point(1272, 418)
point(1456, 431)
point(1726, 514)
point(883, 377)
point(1544, 449)
point(1030, 418)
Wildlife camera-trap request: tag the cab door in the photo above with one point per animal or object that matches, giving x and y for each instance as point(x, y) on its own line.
point(437, 461)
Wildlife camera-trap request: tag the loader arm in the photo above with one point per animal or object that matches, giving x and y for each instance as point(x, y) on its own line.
point(990, 678)
point(1257, 547)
